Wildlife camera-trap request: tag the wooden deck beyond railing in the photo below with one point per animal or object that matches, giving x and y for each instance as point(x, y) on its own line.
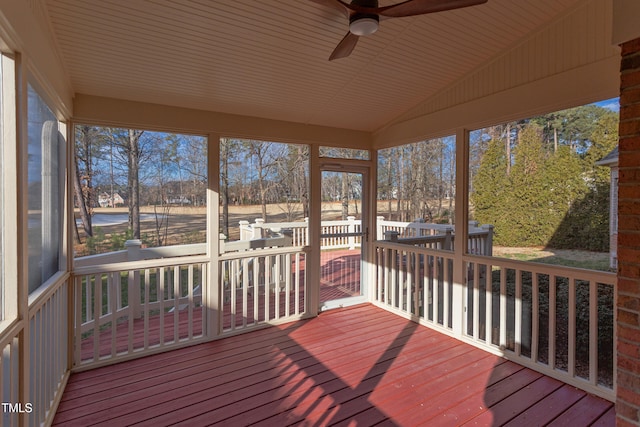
point(356, 366)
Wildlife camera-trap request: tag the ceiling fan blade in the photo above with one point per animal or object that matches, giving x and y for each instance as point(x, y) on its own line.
point(421, 7)
point(334, 4)
point(345, 47)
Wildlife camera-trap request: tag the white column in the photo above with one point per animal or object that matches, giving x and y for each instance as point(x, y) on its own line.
point(244, 225)
point(133, 254)
point(211, 293)
point(462, 229)
point(258, 230)
point(313, 244)
point(351, 228)
point(379, 232)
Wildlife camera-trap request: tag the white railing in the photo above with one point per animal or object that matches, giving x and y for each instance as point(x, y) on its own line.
point(10, 369)
point(138, 307)
point(480, 240)
point(415, 281)
point(557, 320)
point(413, 233)
point(141, 301)
point(299, 232)
point(48, 333)
point(410, 229)
point(135, 252)
point(340, 234)
point(34, 371)
point(262, 286)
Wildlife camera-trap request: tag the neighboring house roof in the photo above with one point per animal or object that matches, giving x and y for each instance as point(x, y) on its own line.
point(610, 159)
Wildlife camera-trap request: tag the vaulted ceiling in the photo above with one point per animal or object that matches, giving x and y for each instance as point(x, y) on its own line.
point(269, 58)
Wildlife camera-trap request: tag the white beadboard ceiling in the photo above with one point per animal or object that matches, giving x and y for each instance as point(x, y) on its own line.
point(269, 58)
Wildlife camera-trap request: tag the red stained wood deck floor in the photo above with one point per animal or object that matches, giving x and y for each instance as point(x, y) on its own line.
point(355, 366)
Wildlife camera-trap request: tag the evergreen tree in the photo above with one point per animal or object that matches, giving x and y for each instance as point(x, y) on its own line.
point(527, 206)
point(491, 187)
point(554, 195)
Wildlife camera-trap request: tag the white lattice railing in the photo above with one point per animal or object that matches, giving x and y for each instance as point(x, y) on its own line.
point(262, 286)
point(556, 320)
point(138, 307)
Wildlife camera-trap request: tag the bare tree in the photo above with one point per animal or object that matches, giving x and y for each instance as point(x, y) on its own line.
point(86, 136)
point(127, 143)
point(260, 154)
point(133, 181)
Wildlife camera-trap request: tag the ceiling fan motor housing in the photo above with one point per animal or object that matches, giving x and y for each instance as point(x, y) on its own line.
point(364, 24)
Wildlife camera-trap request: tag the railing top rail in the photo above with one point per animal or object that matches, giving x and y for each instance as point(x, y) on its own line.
point(48, 288)
point(260, 252)
point(409, 248)
point(114, 256)
point(422, 239)
point(329, 223)
point(603, 277)
point(173, 251)
point(139, 265)
point(262, 243)
point(478, 232)
point(10, 332)
point(145, 253)
point(280, 225)
point(415, 224)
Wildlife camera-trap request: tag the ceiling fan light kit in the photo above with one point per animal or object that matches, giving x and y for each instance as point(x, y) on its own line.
point(363, 25)
point(364, 16)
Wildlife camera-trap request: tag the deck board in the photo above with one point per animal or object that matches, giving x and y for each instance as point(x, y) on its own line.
point(353, 366)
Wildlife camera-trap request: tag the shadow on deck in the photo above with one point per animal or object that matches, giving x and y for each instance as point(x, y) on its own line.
point(354, 366)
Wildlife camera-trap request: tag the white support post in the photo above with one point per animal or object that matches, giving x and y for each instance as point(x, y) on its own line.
point(351, 228)
point(258, 230)
point(447, 239)
point(22, 208)
point(462, 230)
point(244, 225)
point(134, 301)
point(391, 236)
point(211, 296)
point(379, 232)
point(222, 239)
point(306, 232)
point(312, 250)
point(488, 243)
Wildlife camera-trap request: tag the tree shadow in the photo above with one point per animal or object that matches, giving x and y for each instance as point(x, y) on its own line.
point(586, 224)
point(332, 398)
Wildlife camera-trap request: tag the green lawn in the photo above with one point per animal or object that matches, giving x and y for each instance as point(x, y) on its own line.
point(569, 258)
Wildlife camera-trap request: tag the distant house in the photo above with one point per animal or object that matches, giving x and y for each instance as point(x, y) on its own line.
point(178, 200)
point(611, 160)
point(106, 201)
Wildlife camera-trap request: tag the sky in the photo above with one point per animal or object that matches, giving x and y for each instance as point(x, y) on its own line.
point(612, 104)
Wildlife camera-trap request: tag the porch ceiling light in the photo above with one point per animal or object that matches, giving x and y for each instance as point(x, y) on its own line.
point(363, 24)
